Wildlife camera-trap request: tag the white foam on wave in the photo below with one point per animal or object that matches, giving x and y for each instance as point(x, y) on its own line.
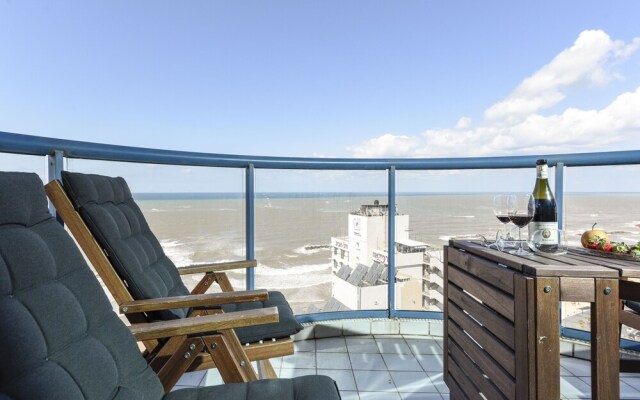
point(177, 252)
point(464, 216)
point(294, 277)
point(594, 215)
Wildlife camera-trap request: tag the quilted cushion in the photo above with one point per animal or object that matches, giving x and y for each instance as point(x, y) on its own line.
point(60, 338)
point(107, 207)
point(303, 387)
point(116, 221)
point(287, 325)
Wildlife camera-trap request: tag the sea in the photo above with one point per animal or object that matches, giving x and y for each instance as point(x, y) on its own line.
point(293, 231)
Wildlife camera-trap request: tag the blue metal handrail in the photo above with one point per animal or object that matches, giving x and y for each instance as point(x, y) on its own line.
point(37, 145)
point(56, 149)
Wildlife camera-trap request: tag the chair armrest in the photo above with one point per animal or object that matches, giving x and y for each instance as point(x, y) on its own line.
point(194, 300)
point(216, 267)
point(204, 324)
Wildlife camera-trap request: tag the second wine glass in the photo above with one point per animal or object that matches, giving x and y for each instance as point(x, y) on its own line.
point(521, 208)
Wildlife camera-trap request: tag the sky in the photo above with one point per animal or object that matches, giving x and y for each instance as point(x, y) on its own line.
point(330, 79)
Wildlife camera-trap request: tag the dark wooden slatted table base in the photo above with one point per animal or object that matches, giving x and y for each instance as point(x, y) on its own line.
point(502, 320)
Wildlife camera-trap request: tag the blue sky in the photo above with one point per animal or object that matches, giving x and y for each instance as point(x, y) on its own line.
point(330, 78)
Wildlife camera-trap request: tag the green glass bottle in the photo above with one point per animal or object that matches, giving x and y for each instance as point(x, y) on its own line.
point(545, 217)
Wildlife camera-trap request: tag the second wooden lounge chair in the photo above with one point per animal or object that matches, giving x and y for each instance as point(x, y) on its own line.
point(104, 218)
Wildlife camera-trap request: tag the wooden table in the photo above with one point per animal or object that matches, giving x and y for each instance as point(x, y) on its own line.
point(502, 320)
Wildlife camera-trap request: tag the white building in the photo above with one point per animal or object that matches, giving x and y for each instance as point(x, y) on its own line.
point(360, 265)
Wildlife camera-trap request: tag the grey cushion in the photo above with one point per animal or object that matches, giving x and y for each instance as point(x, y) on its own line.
point(634, 305)
point(304, 387)
point(60, 338)
point(107, 207)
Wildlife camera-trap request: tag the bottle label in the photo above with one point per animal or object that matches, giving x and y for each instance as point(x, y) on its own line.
point(542, 171)
point(549, 230)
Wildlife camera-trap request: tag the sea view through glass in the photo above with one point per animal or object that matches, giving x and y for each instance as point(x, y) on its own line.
point(293, 232)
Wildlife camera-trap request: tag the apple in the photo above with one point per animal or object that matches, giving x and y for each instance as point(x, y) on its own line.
point(591, 239)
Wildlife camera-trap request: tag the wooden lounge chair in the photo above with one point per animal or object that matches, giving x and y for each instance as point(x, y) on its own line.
point(61, 339)
point(112, 231)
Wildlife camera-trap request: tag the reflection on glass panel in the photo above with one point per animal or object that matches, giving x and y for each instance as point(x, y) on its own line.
point(23, 163)
point(321, 238)
point(197, 213)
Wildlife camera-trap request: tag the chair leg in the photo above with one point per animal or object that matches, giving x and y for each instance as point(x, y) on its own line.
point(178, 363)
point(265, 370)
point(227, 353)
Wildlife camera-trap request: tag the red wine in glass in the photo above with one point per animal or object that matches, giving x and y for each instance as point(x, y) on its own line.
point(521, 220)
point(521, 211)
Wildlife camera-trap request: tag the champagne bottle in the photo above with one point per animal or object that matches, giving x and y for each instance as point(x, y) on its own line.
point(545, 217)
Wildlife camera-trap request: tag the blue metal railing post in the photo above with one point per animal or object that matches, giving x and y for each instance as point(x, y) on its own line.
point(55, 162)
point(391, 242)
point(250, 196)
point(560, 193)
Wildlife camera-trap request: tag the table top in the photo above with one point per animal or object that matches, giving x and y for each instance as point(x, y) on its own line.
point(576, 263)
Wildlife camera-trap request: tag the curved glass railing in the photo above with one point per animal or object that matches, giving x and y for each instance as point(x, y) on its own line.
point(321, 227)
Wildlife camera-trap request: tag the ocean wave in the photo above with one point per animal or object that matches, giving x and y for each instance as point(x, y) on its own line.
point(307, 251)
point(464, 216)
point(294, 277)
point(176, 252)
point(294, 269)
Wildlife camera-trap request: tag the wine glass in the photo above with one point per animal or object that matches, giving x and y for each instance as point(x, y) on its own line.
point(521, 209)
point(501, 208)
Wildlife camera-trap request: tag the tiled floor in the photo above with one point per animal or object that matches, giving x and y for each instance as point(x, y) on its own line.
point(397, 367)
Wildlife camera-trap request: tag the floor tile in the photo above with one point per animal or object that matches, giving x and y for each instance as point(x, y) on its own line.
point(628, 392)
point(401, 362)
point(421, 396)
point(374, 381)
point(333, 361)
point(362, 345)
point(576, 366)
point(574, 387)
point(213, 377)
point(299, 360)
point(304, 346)
point(276, 362)
point(424, 346)
point(349, 395)
point(331, 345)
point(370, 362)
point(344, 378)
point(295, 372)
point(393, 346)
point(438, 380)
point(413, 382)
point(379, 396)
point(431, 362)
point(191, 379)
point(633, 381)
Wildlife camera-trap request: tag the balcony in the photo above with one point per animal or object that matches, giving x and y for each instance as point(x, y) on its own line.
point(386, 342)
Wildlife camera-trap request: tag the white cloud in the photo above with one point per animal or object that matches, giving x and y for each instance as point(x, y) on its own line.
point(515, 125)
point(387, 146)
